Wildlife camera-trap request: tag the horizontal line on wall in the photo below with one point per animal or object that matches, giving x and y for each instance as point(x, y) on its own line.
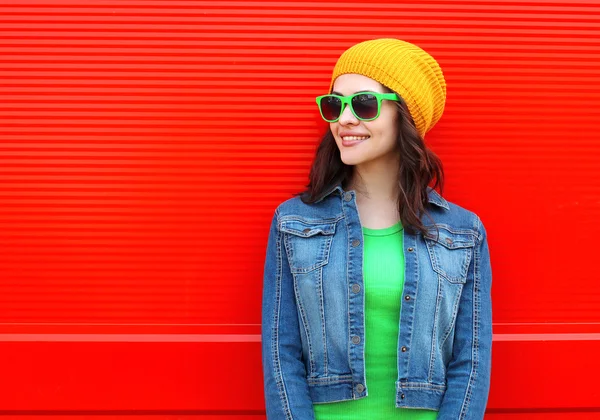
point(548, 337)
point(244, 338)
point(132, 338)
point(136, 414)
point(549, 410)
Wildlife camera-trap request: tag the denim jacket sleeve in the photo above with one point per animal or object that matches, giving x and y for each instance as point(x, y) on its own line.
point(284, 373)
point(468, 374)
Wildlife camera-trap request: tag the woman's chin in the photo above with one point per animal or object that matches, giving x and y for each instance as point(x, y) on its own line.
point(351, 158)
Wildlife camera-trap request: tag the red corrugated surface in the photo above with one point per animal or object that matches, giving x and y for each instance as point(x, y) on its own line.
point(145, 144)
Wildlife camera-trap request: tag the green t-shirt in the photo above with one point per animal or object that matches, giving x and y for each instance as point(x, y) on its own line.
point(383, 269)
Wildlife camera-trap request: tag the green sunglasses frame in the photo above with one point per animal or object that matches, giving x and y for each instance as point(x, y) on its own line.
point(347, 100)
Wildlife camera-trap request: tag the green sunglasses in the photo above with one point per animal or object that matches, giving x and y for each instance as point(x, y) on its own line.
point(365, 106)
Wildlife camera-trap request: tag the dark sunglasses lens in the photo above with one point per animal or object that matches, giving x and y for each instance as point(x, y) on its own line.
point(331, 107)
point(365, 106)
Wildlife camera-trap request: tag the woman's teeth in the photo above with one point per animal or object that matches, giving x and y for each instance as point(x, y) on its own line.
point(354, 138)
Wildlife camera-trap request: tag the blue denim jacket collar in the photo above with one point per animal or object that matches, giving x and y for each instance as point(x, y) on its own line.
point(433, 196)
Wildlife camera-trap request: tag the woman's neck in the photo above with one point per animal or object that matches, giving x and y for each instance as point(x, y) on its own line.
point(376, 197)
point(376, 183)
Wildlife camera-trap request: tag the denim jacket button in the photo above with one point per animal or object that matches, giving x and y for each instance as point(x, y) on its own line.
point(411, 249)
point(348, 196)
point(403, 349)
point(360, 388)
point(355, 288)
point(407, 297)
point(355, 339)
point(355, 243)
point(402, 396)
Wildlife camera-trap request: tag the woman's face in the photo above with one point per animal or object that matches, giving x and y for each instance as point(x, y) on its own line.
point(359, 141)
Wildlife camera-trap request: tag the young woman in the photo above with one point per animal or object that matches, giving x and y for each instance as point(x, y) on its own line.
point(376, 299)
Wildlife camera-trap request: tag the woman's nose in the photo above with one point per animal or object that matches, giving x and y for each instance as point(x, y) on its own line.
point(347, 117)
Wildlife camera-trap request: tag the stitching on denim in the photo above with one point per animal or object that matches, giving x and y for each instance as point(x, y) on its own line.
point(418, 407)
point(467, 261)
point(458, 231)
point(438, 299)
point(349, 296)
point(402, 306)
point(453, 323)
point(322, 312)
point(310, 221)
point(275, 341)
point(289, 250)
point(361, 347)
point(329, 380)
point(414, 306)
point(304, 322)
point(333, 401)
point(423, 387)
point(432, 257)
point(475, 345)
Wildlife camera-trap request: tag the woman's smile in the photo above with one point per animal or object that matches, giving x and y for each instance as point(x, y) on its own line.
point(352, 139)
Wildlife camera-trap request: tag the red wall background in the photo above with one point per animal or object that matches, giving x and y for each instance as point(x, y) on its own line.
point(144, 146)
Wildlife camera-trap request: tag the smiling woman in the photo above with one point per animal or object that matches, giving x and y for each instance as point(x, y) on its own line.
point(351, 136)
point(377, 290)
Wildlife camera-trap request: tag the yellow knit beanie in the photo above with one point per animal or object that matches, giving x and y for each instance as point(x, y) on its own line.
point(404, 68)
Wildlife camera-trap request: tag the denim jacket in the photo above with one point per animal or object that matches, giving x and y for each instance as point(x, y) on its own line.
point(313, 310)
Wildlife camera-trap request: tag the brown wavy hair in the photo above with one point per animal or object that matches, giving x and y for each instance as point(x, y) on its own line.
point(419, 168)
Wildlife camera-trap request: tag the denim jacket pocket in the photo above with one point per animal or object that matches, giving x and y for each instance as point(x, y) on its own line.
point(450, 253)
point(307, 243)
